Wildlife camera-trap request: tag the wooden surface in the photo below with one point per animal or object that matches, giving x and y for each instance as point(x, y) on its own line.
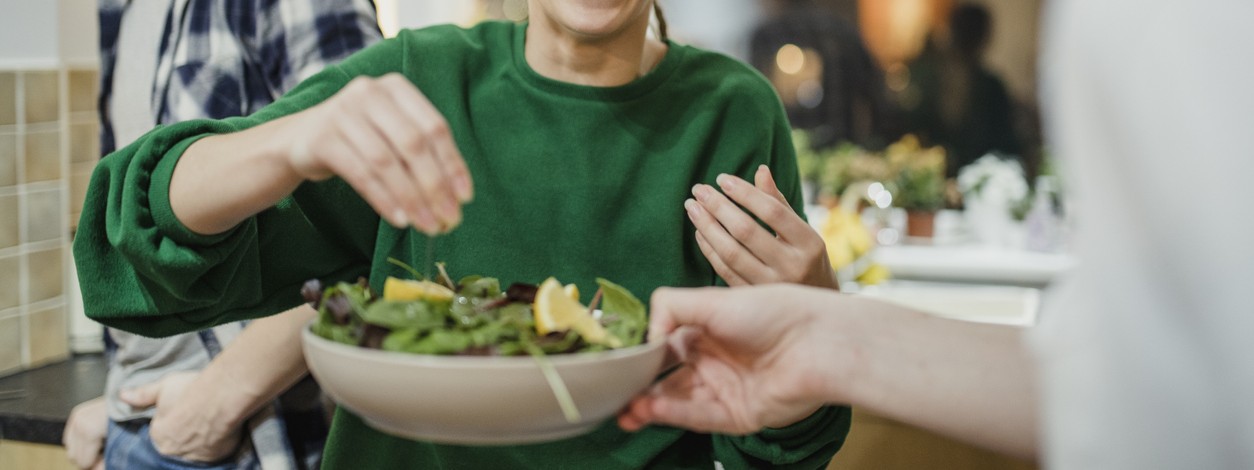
point(883, 444)
point(16, 455)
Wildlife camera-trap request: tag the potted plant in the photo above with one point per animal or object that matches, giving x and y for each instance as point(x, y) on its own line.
point(917, 183)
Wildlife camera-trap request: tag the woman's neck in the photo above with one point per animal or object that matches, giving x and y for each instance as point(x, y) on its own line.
point(560, 54)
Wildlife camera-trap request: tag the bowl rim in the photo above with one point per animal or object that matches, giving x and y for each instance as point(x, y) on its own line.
point(472, 362)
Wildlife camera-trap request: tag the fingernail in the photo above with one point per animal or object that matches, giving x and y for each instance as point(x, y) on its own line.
point(449, 209)
point(425, 220)
point(725, 181)
point(462, 187)
point(700, 191)
point(691, 206)
point(764, 168)
point(399, 219)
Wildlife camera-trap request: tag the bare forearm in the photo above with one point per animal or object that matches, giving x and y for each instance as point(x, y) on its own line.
point(971, 381)
point(222, 180)
point(261, 363)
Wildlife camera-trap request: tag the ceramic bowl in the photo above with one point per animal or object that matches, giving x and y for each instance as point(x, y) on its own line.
point(478, 400)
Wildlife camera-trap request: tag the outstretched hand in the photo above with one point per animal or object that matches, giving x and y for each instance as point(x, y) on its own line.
point(744, 253)
point(753, 358)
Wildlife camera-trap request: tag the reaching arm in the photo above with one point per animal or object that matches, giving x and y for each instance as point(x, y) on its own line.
point(764, 353)
point(381, 135)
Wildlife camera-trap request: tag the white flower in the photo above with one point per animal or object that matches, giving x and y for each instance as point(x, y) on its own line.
point(993, 180)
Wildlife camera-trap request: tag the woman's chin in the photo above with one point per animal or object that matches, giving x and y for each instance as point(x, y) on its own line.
point(595, 19)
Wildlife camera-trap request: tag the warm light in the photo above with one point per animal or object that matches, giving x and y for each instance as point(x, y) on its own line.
point(790, 59)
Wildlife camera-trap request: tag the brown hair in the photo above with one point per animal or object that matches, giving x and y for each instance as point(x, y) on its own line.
point(661, 20)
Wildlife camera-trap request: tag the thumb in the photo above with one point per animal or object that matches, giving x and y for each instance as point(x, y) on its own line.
point(144, 396)
point(672, 308)
point(766, 183)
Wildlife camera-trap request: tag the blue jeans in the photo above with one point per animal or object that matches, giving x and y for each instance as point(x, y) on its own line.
point(128, 446)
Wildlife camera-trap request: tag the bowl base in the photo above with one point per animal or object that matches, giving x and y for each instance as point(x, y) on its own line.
point(471, 438)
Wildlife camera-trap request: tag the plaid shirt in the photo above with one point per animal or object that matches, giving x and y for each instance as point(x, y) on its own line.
point(224, 58)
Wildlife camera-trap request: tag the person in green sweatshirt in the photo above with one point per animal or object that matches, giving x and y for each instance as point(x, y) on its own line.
point(585, 138)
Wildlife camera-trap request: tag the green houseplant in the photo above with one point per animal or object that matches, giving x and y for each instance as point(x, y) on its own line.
point(917, 183)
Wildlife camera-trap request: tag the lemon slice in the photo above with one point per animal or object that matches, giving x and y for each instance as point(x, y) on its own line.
point(556, 310)
point(403, 290)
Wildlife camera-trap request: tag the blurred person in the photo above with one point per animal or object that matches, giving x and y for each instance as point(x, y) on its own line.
point(849, 101)
point(954, 100)
point(1141, 359)
point(200, 397)
point(584, 135)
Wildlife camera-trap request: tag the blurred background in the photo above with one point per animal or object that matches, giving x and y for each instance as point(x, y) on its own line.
point(917, 133)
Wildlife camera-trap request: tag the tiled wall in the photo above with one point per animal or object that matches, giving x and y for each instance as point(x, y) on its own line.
point(48, 145)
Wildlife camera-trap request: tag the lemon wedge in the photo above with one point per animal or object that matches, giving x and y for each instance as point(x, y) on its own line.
point(556, 310)
point(404, 290)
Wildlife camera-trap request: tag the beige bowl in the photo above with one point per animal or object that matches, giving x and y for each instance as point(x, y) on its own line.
point(478, 400)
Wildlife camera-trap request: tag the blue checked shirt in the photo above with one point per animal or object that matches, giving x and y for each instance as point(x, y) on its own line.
point(224, 58)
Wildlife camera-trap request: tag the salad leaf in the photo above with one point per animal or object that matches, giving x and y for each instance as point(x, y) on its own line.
point(623, 314)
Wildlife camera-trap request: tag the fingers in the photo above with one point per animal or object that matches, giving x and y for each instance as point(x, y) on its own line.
point(766, 183)
point(384, 138)
point(766, 205)
point(440, 140)
point(144, 396)
point(403, 111)
point(407, 167)
point(681, 400)
point(740, 243)
point(672, 308)
point(728, 274)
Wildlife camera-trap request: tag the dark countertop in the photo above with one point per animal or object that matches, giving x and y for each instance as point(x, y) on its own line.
point(34, 404)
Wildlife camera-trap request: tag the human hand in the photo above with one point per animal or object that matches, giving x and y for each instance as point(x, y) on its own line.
point(753, 358)
point(189, 424)
point(85, 432)
point(741, 251)
point(386, 139)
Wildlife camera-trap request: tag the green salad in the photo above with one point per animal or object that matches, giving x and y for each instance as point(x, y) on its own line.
point(475, 317)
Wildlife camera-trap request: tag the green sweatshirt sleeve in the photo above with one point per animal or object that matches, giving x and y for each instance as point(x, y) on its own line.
point(142, 271)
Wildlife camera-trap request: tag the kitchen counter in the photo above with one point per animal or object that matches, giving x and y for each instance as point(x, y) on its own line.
point(973, 264)
point(34, 404)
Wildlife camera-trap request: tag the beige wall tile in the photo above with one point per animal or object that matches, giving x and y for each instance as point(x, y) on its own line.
point(44, 271)
point(80, 177)
point(44, 216)
point(8, 159)
point(48, 339)
point(10, 344)
point(42, 92)
point(43, 156)
point(10, 281)
point(9, 235)
point(8, 98)
point(83, 86)
point(84, 142)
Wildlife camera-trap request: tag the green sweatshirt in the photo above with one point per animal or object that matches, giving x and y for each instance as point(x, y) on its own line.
point(570, 181)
